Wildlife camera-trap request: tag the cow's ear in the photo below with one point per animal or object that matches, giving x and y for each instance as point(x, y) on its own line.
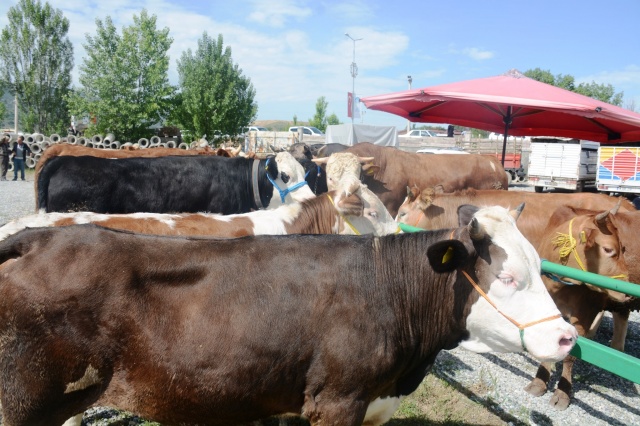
point(446, 255)
point(370, 169)
point(465, 214)
point(272, 168)
point(587, 236)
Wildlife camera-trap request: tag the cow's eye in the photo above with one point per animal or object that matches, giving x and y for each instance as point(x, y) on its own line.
point(372, 214)
point(608, 251)
point(401, 214)
point(506, 280)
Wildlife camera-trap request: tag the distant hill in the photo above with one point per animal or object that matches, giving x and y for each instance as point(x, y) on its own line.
point(277, 125)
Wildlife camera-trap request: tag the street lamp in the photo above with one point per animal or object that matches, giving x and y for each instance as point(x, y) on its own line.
point(354, 73)
point(409, 79)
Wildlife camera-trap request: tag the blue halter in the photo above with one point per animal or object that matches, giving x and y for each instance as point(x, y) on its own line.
point(283, 193)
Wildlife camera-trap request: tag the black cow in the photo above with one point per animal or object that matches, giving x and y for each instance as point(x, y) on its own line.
point(170, 184)
point(196, 331)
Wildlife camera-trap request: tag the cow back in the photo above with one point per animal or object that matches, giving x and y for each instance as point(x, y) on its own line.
point(155, 185)
point(398, 169)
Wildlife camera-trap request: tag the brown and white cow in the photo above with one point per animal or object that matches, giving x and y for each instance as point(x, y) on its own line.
point(586, 240)
point(353, 210)
point(203, 331)
point(396, 169)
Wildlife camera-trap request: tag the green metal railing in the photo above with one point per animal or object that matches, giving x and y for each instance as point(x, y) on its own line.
point(608, 359)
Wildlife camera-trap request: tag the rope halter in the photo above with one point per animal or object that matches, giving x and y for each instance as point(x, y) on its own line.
point(567, 244)
point(284, 192)
point(521, 327)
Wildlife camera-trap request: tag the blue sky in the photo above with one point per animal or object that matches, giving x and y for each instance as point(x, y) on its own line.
point(295, 51)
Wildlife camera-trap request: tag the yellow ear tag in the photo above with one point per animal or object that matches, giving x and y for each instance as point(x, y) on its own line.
point(448, 255)
point(583, 237)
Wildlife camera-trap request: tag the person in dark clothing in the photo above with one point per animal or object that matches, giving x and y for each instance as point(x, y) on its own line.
point(20, 152)
point(4, 156)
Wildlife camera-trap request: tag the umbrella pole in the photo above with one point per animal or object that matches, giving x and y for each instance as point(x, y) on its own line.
point(507, 123)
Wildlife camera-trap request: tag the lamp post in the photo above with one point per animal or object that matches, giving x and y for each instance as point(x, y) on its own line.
point(354, 73)
point(409, 79)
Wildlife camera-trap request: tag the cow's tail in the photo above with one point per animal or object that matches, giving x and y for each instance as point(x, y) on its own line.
point(42, 185)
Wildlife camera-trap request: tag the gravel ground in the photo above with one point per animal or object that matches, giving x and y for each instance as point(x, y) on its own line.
point(495, 380)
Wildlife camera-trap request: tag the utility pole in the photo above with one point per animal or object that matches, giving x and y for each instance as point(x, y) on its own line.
point(354, 73)
point(409, 121)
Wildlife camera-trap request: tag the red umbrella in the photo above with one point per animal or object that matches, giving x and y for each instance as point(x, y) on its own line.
point(513, 104)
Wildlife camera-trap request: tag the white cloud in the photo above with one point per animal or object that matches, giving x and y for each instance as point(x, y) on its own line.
point(477, 54)
point(275, 13)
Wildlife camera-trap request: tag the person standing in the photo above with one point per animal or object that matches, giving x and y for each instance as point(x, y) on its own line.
point(20, 152)
point(4, 156)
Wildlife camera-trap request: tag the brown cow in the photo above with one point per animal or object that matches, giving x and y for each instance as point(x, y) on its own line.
point(586, 240)
point(431, 209)
point(396, 169)
point(208, 331)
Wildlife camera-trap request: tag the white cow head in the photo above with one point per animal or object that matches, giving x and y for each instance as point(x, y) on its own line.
point(343, 166)
point(290, 181)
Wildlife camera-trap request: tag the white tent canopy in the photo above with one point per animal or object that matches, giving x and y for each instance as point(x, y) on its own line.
point(351, 134)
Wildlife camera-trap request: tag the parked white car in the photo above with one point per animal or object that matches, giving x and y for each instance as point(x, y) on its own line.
point(307, 130)
point(418, 134)
point(255, 129)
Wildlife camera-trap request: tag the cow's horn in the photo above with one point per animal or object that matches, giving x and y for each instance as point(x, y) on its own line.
point(322, 160)
point(617, 207)
point(518, 211)
point(602, 216)
point(476, 231)
point(365, 159)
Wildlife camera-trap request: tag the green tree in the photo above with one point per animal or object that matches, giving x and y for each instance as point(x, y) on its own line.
point(295, 120)
point(215, 97)
point(319, 120)
point(125, 84)
point(36, 59)
point(333, 120)
point(3, 106)
point(602, 92)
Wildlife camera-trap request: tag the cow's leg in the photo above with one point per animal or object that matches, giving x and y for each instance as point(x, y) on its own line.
point(538, 386)
point(562, 396)
point(595, 325)
point(620, 324)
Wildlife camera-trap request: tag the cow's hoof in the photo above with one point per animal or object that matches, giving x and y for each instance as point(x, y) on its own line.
point(536, 388)
point(559, 400)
